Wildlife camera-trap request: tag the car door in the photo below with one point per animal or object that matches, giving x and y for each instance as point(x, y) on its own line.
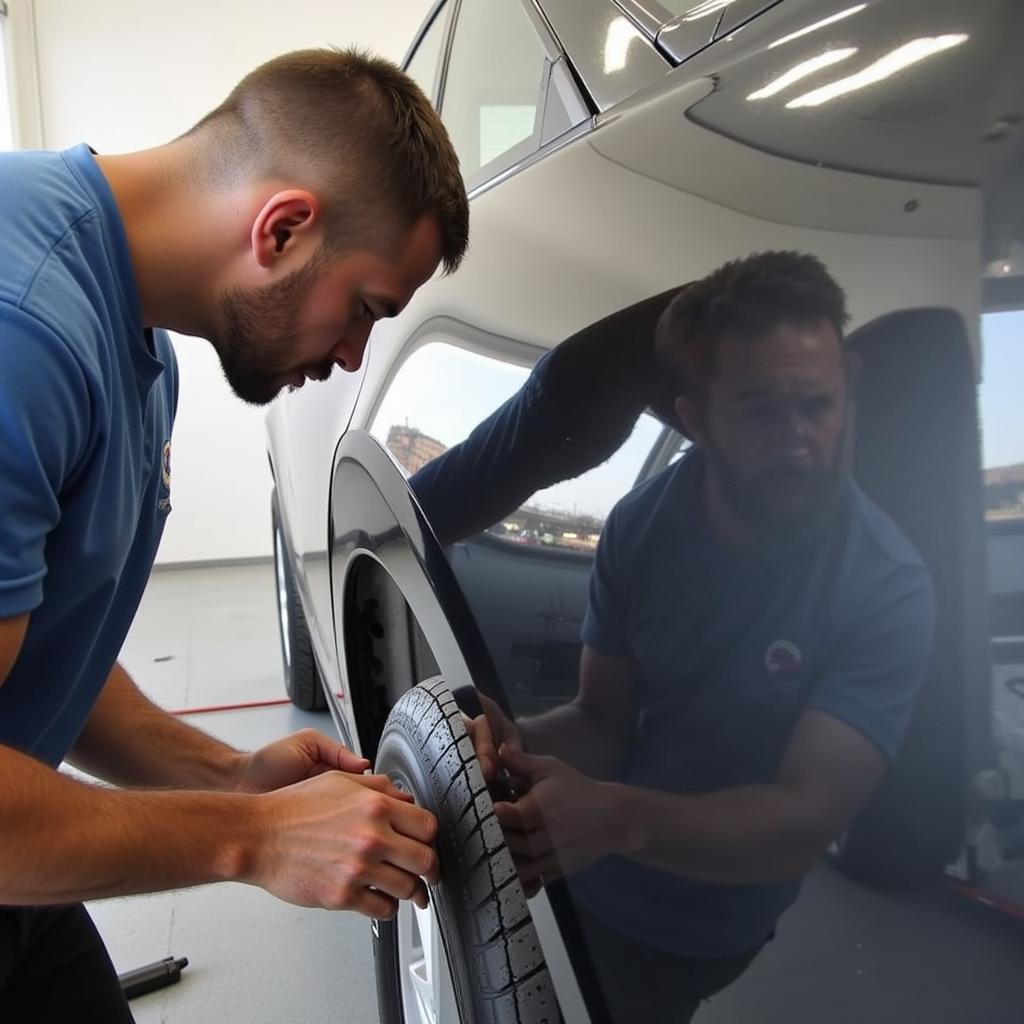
point(898, 189)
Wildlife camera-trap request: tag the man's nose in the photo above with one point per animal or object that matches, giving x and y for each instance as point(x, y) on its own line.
point(348, 353)
point(791, 428)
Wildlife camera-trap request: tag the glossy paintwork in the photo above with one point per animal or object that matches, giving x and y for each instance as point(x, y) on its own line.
point(898, 187)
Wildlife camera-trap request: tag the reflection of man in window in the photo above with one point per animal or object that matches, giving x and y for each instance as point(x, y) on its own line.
point(756, 632)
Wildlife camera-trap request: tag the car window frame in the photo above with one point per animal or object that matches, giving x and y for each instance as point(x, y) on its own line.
point(445, 10)
point(554, 80)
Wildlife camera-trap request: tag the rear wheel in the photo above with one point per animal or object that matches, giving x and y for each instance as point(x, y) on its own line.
point(301, 679)
point(473, 957)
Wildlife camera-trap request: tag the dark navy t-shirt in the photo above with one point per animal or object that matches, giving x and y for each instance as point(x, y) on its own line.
point(730, 651)
point(87, 399)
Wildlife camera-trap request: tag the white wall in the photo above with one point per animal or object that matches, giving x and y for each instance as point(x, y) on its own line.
point(126, 74)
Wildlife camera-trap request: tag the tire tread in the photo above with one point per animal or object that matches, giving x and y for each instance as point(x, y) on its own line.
point(514, 986)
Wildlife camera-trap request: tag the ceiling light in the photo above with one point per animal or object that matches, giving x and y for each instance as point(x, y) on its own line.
point(817, 25)
point(897, 60)
point(802, 70)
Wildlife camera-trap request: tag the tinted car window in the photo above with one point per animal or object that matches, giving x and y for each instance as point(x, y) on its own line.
point(491, 103)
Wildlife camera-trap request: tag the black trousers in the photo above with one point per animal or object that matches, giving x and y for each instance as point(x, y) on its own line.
point(644, 985)
point(55, 968)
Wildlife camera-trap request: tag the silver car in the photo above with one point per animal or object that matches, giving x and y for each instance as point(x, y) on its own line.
point(613, 152)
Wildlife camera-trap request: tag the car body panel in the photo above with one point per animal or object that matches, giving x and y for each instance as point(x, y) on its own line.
point(612, 56)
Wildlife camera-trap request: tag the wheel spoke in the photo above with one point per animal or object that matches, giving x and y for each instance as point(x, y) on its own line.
point(445, 1009)
point(428, 996)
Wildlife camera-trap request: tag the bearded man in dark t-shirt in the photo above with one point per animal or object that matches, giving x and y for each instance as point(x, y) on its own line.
point(756, 633)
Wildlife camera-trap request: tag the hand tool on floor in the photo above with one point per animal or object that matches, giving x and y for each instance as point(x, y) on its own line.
point(156, 975)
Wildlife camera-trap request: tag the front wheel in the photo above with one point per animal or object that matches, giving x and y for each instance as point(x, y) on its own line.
point(473, 957)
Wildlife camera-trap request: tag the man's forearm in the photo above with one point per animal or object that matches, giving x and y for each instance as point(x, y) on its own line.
point(744, 835)
point(577, 736)
point(130, 741)
point(65, 841)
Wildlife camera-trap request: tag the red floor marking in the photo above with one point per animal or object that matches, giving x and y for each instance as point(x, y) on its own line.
point(232, 707)
point(1003, 906)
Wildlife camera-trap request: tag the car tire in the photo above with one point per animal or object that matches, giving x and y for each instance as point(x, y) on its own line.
point(301, 678)
point(496, 966)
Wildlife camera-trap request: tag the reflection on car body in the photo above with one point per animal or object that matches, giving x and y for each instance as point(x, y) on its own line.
point(596, 194)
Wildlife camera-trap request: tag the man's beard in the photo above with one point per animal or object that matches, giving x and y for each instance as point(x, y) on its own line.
point(779, 497)
point(257, 334)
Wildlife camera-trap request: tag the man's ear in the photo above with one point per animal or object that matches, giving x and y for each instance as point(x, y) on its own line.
point(689, 418)
point(287, 221)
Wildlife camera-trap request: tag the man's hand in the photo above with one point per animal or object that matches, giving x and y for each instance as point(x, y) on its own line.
point(303, 755)
point(564, 823)
point(344, 842)
point(490, 731)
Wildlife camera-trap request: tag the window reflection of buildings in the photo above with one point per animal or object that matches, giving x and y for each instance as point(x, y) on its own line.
point(1004, 492)
point(529, 525)
point(412, 447)
point(540, 527)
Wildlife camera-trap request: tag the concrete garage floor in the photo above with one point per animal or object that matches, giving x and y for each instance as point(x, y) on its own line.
point(845, 953)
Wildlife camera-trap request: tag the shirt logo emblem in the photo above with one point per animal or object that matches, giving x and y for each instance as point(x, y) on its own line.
point(784, 662)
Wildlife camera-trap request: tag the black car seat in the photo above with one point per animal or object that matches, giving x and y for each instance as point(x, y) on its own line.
point(916, 453)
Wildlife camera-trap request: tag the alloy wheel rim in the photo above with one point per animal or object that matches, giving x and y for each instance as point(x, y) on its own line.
point(282, 599)
point(428, 995)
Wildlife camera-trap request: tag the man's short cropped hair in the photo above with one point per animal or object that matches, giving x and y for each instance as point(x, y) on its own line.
point(356, 131)
point(746, 298)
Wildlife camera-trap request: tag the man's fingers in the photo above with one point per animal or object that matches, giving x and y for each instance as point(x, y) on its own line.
point(524, 815)
point(521, 845)
point(526, 766)
point(382, 784)
point(539, 870)
point(483, 744)
point(400, 884)
point(323, 750)
point(376, 904)
point(414, 822)
point(411, 856)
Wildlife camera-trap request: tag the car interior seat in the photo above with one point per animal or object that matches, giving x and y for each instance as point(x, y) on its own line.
point(916, 453)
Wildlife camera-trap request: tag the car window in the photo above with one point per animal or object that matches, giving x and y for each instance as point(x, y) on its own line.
point(571, 514)
point(492, 95)
point(422, 69)
point(1002, 415)
point(416, 428)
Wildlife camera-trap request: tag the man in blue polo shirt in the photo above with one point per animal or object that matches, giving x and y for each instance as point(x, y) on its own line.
point(256, 230)
point(756, 633)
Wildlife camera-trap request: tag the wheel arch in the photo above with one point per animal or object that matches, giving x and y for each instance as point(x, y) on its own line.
point(398, 609)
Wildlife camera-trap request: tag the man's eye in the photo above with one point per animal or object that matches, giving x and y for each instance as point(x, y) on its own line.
point(367, 312)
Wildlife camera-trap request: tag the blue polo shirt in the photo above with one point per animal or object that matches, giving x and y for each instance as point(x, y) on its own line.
point(730, 652)
point(87, 399)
